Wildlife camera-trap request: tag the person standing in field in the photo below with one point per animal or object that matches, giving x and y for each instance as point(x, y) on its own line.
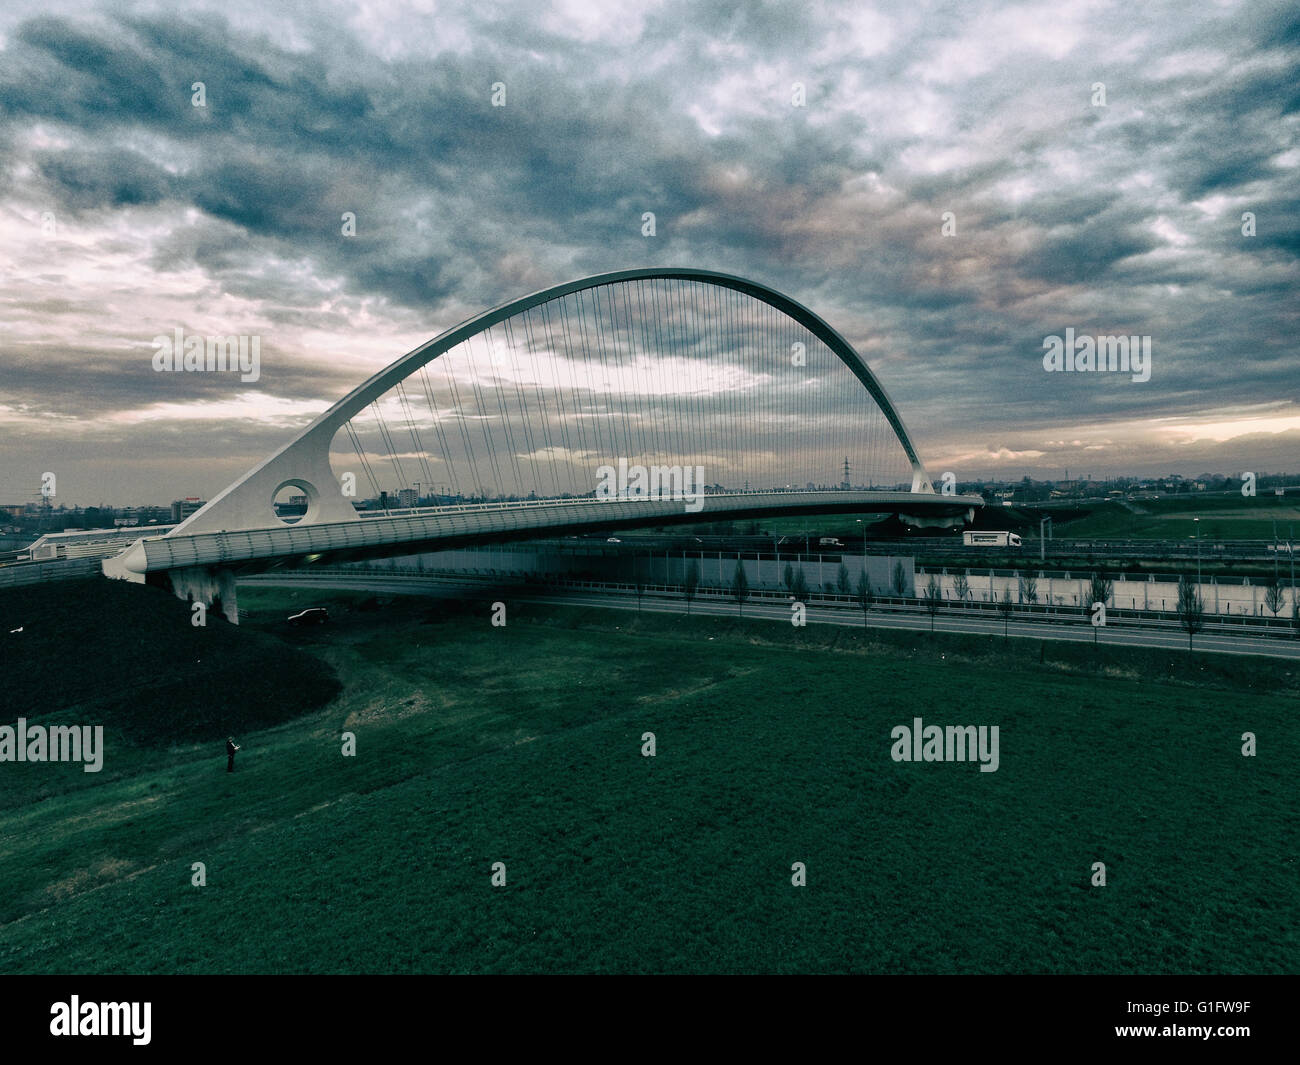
point(231, 748)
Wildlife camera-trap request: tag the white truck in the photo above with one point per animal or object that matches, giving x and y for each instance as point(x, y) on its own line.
point(990, 539)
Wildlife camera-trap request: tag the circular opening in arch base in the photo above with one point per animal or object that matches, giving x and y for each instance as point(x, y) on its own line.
point(294, 501)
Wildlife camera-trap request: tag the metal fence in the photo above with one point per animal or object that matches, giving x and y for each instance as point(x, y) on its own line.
point(21, 573)
point(1115, 617)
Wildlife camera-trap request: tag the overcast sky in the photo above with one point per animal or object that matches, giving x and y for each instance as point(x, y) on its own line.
point(1125, 218)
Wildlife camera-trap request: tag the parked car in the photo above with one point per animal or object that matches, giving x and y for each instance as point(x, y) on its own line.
point(316, 615)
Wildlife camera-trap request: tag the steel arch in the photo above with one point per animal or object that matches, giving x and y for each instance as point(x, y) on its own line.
point(304, 460)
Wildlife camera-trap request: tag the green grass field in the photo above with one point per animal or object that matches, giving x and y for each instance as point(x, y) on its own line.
point(522, 745)
point(1222, 518)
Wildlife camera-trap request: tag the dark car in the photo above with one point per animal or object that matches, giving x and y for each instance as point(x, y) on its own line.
point(316, 615)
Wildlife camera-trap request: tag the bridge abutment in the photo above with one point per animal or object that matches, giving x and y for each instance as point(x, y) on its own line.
point(213, 586)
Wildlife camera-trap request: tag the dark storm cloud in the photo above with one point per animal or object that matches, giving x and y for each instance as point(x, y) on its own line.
point(1083, 254)
point(39, 376)
point(1124, 218)
point(82, 75)
point(103, 178)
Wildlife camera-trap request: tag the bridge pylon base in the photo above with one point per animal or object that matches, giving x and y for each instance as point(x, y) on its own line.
point(937, 521)
point(213, 586)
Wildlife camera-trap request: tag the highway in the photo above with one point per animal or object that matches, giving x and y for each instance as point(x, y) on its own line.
point(1116, 551)
point(444, 587)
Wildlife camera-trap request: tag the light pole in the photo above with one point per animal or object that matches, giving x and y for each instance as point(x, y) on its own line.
point(1197, 523)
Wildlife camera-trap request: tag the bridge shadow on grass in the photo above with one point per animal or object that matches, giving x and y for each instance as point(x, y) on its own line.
point(126, 656)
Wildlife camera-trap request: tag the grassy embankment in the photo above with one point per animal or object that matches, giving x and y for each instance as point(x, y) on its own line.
point(522, 745)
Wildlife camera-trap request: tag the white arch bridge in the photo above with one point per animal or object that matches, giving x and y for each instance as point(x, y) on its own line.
point(523, 421)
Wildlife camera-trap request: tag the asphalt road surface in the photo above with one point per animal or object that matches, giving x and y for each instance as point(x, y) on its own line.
point(443, 587)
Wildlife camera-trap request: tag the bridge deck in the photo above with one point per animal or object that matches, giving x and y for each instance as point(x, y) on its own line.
point(430, 528)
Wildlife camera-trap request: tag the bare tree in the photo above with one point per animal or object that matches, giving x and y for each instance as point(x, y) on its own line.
point(740, 587)
point(799, 589)
point(690, 584)
point(961, 587)
point(866, 597)
point(1029, 588)
point(1274, 596)
point(1099, 591)
point(933, 598)
point(1005, 607)
point(900, 579)
point(1191, 611)
point(842, 583)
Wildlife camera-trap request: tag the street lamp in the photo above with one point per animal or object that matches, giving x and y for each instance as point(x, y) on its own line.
point(1290, 550)
point(1197, 523)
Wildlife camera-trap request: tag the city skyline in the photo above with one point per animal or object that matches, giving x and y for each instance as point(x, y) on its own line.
point(1172, 483)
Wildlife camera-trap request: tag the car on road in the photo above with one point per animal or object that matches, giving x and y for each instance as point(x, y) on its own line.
point(316, 615)
point(613, 540)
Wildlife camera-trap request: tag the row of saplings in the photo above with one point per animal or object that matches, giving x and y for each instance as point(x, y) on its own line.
point(1190, 608)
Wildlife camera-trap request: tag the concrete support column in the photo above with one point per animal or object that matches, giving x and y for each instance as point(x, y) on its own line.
point(202, 584)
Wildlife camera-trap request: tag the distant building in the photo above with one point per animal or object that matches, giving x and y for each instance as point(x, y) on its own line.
point(183, 508)
point(407, 498)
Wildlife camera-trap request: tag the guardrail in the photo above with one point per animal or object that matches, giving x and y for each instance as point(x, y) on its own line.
point(1083, 573)
point(458, 508)
point(1094, 550)
point(1242, 550)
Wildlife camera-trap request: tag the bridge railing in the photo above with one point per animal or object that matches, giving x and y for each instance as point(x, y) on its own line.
point(457, 508)
point(61, 569)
